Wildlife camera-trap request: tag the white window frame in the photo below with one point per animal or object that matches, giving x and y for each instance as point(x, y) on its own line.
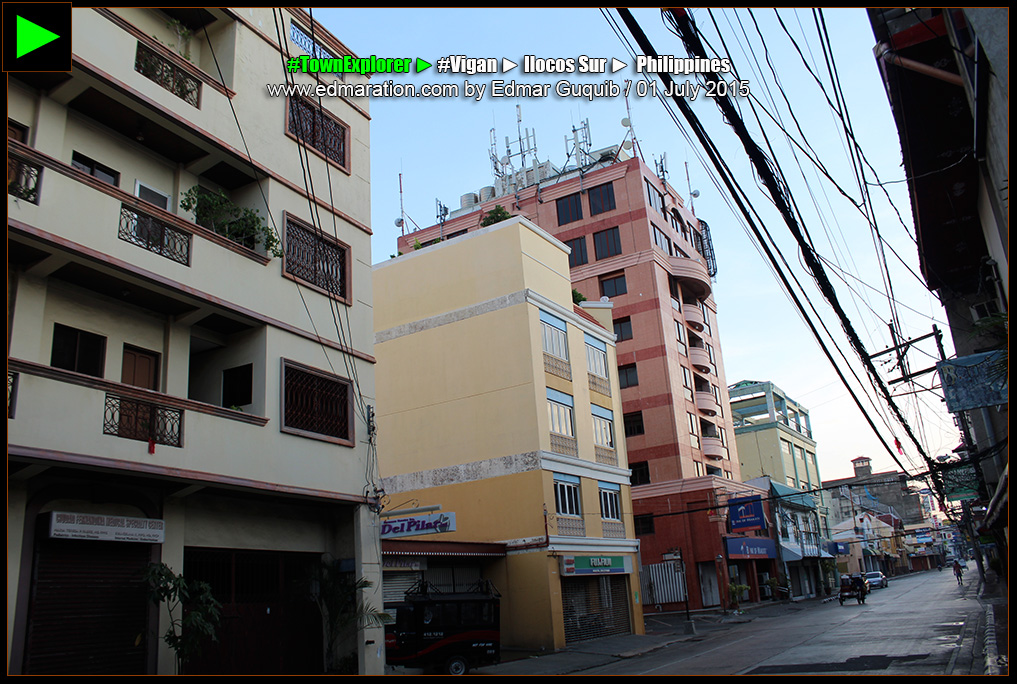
point(596, 361)
point(556, 341)
point(610, 504)
point(560, 417)
point(603, 432)
point(567, 498)
point(138, 185)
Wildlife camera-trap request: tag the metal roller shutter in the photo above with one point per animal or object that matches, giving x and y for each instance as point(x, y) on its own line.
point(89, 610)
point(594, 607)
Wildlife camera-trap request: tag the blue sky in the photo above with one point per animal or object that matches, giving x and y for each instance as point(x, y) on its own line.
point(441, 148)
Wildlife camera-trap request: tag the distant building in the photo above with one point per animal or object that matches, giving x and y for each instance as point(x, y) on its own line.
point(499, 403)
point(634, 241)
point(177, 391)
point(878, 493)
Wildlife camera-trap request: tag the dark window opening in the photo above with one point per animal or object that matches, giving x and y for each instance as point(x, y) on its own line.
point(601, 199)
point(607, 243)
point(623, 329)
point(237, 386)
point(78, 351)
point(578, 255)
point(570, 209)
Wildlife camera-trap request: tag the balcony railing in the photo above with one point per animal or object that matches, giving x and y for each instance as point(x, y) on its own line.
point(143, 421)
point(556, 366)
point(599, 384)
point(158, 69)
point(571, 527)
point(12, 392)
point(154, 235)
point(605, 455)
point(23, 179)
point(613, 529)
point(560, 444)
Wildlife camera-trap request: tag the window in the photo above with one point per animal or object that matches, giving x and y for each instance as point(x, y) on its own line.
point(316, 403)
point(151, 195)
point(613, 286)
point(312, 47)
point(623, 329)
point(640, 473)
point(555, 339)
point(679, 331)
point(700, 471)
point(694, 430)
point(78, 351)
point(312, 125)
point(317, 260)
point(662, 241)
point(627, 376)
point(237, 384)
point(596, 356)
point(603, 427)
point(687, 382)
point(566, 495)
point(607, 243)
point(559, 411)
point(601, 199)
point(654, 197)
point(570, 208)
point(634, 424)
point(680, 227)
point(577, 257)
point(94, 168)
point(643, 524)
point(610, 501)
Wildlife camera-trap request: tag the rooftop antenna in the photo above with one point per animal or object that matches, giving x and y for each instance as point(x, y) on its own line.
point(693, 194)
point(504, 166)
point(627, 123)
point(441, 212)
point(400, 222)
point(661, 165)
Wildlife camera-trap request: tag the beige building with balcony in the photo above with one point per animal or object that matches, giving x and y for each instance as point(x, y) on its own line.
point(188, 381)
point(498, 402)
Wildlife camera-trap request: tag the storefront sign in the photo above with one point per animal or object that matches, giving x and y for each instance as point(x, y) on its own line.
point(740, 548)
point(403, 564)
point(746, 514)
point(595, 565)
point(433, 523)
point(63, 525)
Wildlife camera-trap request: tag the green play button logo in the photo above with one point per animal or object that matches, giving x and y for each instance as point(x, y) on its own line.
point(30, 36)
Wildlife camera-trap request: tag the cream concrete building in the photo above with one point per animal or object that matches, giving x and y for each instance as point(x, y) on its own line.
point(190, 386)
point(499, 402)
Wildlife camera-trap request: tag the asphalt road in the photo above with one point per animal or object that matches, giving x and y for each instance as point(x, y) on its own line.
point(913, 627)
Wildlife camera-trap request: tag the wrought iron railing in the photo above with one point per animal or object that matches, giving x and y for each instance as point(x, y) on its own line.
point(599, 384)
point(571, 527)
point(12, 392)
point(143, 421)
point(158, 69)
point(556, 366)
point(23, 178)
point(155, 235)
point(314, 126)
point(605, 456)
point(560, 444)
point(315, 260)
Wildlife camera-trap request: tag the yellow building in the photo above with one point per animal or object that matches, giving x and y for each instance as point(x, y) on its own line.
point(498, 400)
point(178, 390)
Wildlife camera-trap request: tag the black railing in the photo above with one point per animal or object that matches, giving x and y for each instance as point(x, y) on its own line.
point(23, 178)
point(143, 421)
point(12, 392)
point(155, 235)
point(157, 68)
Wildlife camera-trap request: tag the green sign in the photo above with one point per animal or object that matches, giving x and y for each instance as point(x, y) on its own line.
point(960, 483)
point(595, 565)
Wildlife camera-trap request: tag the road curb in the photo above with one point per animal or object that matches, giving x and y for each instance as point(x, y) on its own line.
point(991, 648)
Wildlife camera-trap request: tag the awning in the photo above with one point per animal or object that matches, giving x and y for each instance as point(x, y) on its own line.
point(402, 547)
point(793, 554)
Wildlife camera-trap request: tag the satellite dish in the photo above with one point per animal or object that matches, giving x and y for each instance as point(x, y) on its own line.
point(504, 161)
point(399, 222)
point(625, 122)
point(627, 145)
point(605, 298)
point(695, 194)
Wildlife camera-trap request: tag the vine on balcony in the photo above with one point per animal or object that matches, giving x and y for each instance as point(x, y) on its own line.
point(218, 213)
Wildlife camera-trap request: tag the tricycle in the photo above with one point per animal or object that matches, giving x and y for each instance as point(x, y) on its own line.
point(852, 587)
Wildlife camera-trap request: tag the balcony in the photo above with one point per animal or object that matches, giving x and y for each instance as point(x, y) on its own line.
point(23, 178)
point(154, 235)
point(12, 392)
point(567, 446)
point(605, 455)
point(700, 358)
point(143, 421)
point(714, 448)
point(694, 317)
point(556, 366)
point(693, 275)
point(161, 69)
point(707, 403)
point(570, 527)
point(599, 384)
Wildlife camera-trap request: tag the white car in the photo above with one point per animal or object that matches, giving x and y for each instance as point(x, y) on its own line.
point(877, 579)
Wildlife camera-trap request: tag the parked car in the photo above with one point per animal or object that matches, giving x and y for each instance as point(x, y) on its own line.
point(877, 579)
